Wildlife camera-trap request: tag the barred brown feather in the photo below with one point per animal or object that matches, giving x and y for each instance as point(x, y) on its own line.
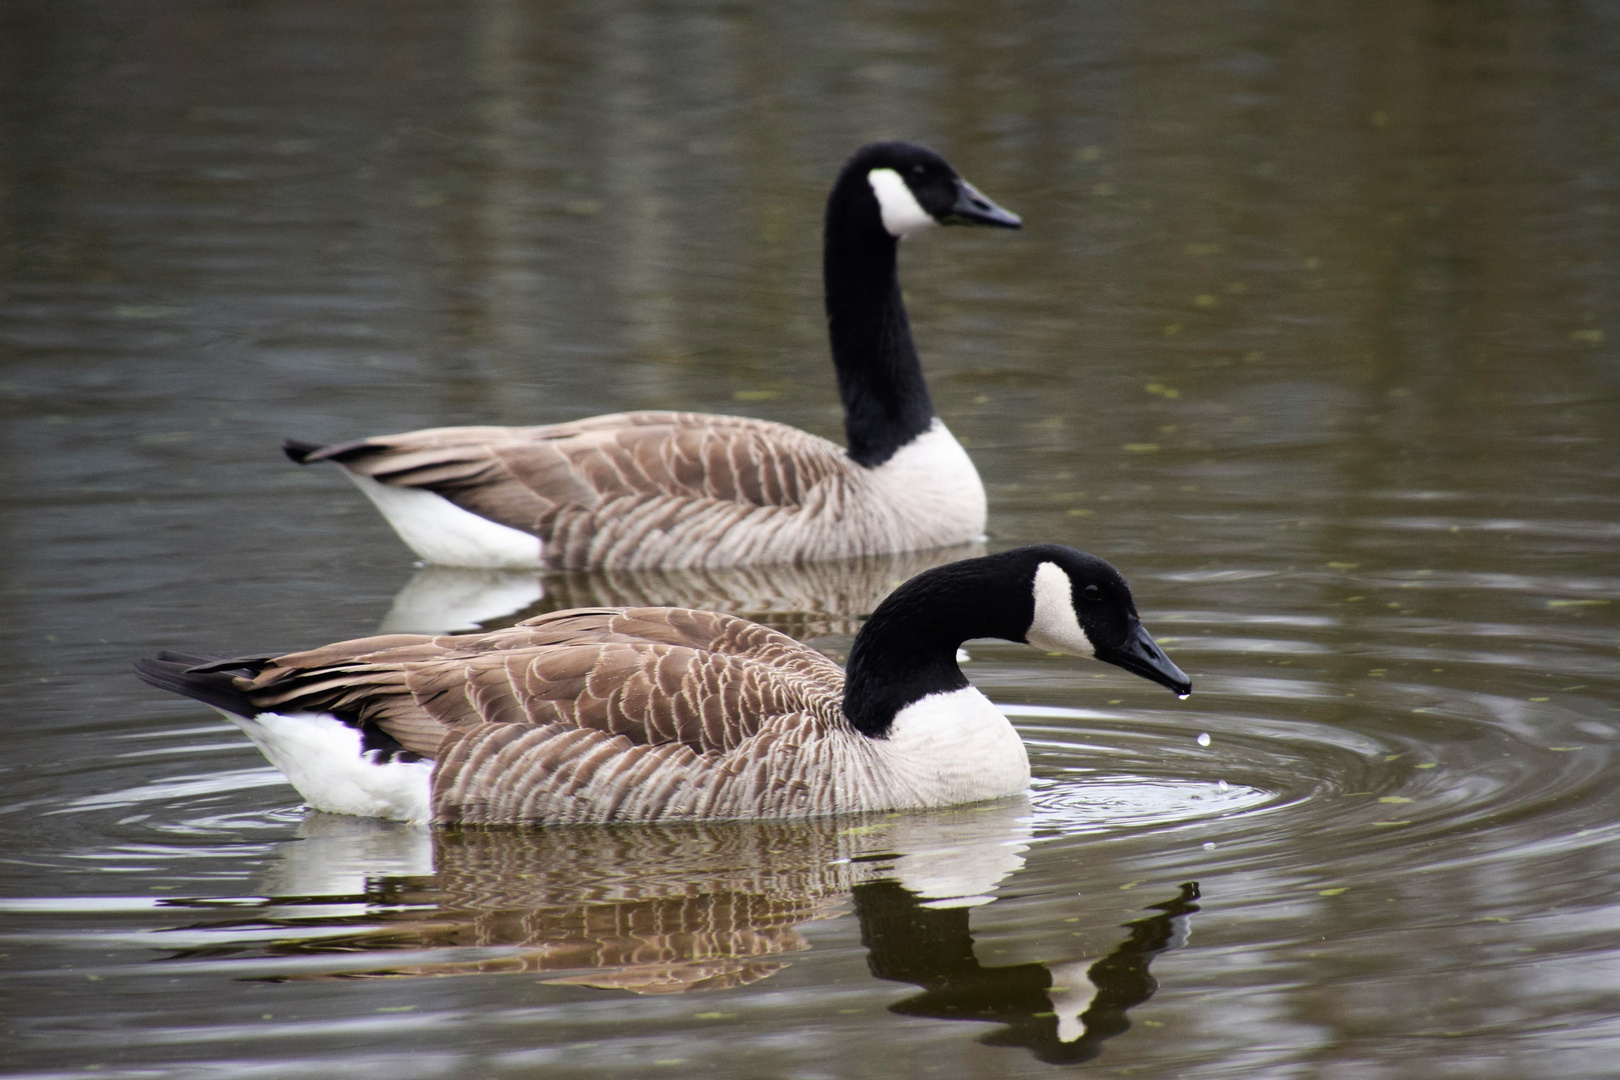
point(666, 489)
point(598, 715)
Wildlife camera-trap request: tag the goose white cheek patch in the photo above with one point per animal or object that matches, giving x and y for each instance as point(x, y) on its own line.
point(902, 213)
point(1056, 627)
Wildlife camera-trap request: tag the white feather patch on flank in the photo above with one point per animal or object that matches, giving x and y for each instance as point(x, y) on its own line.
point(1056, 627)
point(902, 213)
point(321, 756)
point(441, 532)
point(954, 747)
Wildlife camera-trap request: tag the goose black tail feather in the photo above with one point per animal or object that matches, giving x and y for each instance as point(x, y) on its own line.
point(209, 679)
point(308, 453)
point(299, 450)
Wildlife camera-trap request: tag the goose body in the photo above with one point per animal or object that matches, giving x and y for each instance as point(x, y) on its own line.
point(671, 489)
point(663, 714)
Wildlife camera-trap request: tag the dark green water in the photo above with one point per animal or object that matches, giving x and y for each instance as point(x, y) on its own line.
point(1311, 330)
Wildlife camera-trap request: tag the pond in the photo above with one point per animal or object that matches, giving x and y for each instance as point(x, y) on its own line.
point(1310, 330)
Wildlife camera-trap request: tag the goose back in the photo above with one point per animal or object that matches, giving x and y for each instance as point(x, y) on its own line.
point(597, 715)
point(671, 490)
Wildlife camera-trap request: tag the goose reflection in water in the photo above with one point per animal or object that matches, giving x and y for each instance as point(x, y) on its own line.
point(705, 906)
point(1062, 1011)
point(804, 600)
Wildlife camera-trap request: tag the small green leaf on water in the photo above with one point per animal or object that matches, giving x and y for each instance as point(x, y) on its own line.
point(1342, 565)
point(1331, 892)
point(1426, 765)
point(1129, 885)
point(1562, 749)
point(756, 395)
point(1392, 823)
point(1395, 799)
point(1577, 603)
point(397, 1008)
point(716, 1016)
point(1541, 699)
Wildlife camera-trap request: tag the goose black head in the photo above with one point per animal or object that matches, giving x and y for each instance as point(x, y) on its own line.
point(1051, 596)
point(916, 188)
point(1083, 607)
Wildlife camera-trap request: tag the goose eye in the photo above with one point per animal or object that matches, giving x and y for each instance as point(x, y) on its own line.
point(1091, 593)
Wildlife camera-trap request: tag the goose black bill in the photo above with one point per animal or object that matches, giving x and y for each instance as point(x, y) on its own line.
point(973, 208)
point(1141, 655)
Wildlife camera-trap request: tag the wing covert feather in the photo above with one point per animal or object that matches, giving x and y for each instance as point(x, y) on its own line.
point(649, 677)
point(626, 475)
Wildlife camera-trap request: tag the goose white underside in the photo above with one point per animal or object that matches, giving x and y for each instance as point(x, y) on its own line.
point(321, 756)
point(441, 532)
point(955, 747)
point(931, 479)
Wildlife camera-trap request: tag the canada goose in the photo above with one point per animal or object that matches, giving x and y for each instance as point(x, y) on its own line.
point(660, 714)
point(668, 489)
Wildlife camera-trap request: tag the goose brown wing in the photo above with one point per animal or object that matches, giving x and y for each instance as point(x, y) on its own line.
point(567, 481)
point(702, 681)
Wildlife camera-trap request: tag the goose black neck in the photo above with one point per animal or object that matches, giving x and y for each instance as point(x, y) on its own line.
point(907, 649)
point(886, 402)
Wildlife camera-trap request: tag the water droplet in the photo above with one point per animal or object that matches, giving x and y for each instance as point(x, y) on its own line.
point(1203, 738)
point(1209, 845)
point(1223, 785)
point(1183, 697)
